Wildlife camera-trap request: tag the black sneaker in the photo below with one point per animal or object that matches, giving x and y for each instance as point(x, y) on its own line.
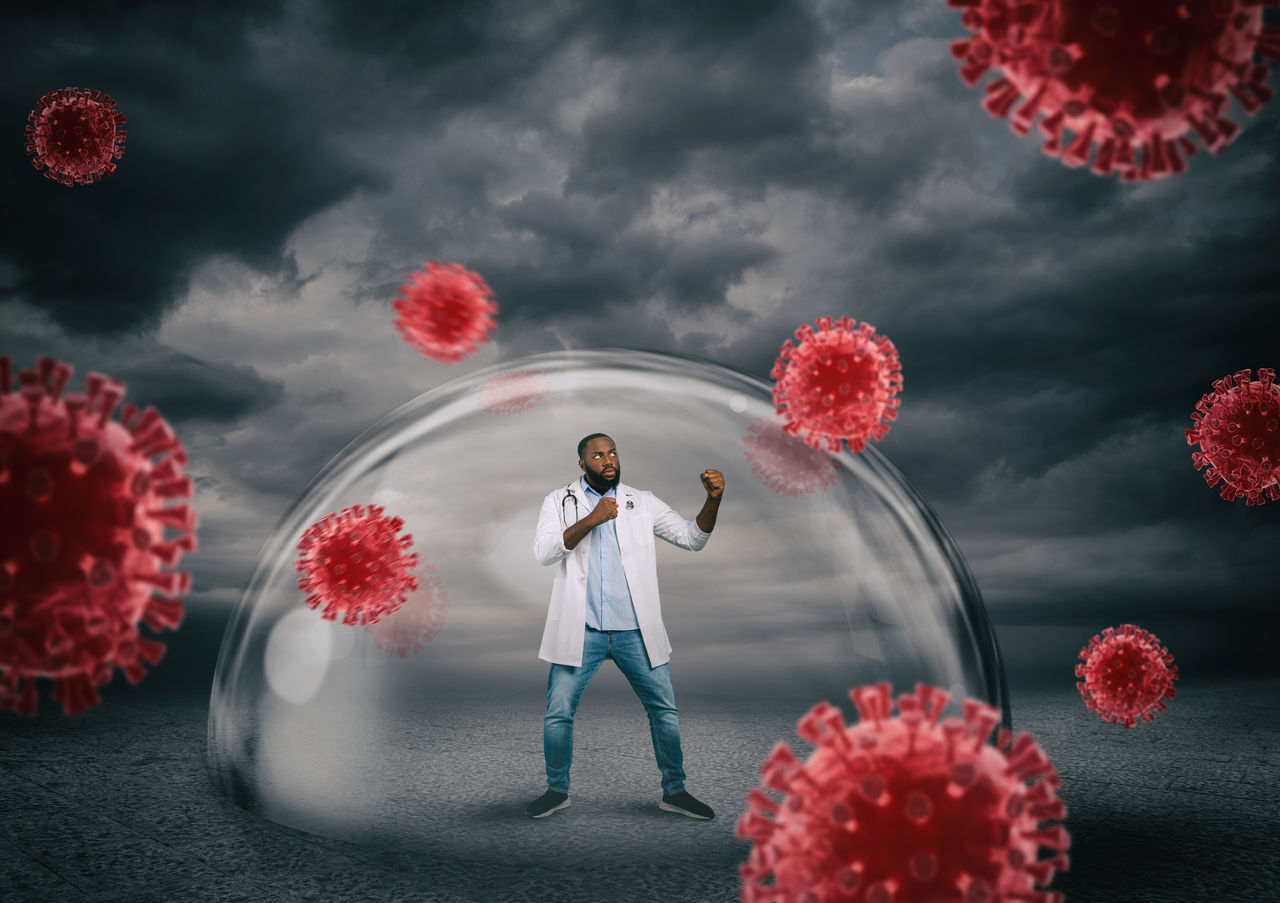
point(546, 804)
point(686, 803)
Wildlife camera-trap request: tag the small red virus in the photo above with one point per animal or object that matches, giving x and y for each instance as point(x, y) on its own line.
point(409, 629)
point(1131, 77)
point(786, 465)
point(445, 311)
point(840, 383)
point(1238, 429)
point(513, 392)
point(904, 809)
point(356, 564)
point(1127, 675)
point(82, 539)
point(76, 134)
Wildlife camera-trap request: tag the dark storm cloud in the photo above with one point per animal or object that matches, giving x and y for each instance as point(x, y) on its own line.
point(694, 85)
point(187, 388)
point(587, 256)
point(219, 159)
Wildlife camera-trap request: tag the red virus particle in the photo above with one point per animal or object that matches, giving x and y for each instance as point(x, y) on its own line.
point(840, 383)
point(356, 564)
point(905, 810)
point(786, 465)
point(82, 536)
point(76, 134)
point(445, 311)
point(513, 392)
point(1127, 675)
point(1133, 77)
point(417, 622)
point(1238, 430)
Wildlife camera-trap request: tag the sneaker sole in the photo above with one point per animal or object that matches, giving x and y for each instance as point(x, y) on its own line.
point(667, 807)
point(564, 805)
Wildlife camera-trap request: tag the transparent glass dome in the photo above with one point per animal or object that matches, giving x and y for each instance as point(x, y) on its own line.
point(824, 572)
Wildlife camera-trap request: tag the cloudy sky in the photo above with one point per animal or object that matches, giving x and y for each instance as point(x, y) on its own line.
point(690, 178)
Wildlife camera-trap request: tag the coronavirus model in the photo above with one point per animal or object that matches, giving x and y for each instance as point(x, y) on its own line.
point(786, 465)
point(1127, 675)
point(75, 136)
point(1131, 78)
point(356, 564)
point(1237, 426)
point(408, 630)
point(514, 392)
point(86, 507)
point(840, 384)
point(905, 809)
point(445, 311)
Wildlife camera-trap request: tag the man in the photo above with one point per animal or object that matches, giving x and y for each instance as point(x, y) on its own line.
point(604, 604)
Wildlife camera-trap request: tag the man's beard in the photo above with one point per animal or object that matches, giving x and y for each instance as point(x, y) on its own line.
point(610, 482)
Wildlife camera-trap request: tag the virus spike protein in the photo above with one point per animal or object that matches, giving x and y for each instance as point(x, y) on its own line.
point(905, 809)
point(445, 311)
point(1132, 79)
point(83, 539)
point(840, 383)
point(356, 564)
point(1127, 675)
point(1237, 426)
point(75, 136)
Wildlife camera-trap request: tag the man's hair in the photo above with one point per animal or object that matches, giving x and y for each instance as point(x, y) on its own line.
point(582, 446)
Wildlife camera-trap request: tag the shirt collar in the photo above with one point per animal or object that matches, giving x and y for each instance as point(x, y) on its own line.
point(586, 488)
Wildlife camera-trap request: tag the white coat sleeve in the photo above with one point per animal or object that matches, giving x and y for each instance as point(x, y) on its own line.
point(548, 538)
point(669, 525)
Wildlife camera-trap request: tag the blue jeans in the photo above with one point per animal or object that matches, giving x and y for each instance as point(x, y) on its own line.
point(566, 684)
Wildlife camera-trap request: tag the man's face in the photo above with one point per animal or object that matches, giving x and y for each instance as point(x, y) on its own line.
point(600, 463)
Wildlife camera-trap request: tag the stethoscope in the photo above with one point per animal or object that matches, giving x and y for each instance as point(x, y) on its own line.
point(569, 495)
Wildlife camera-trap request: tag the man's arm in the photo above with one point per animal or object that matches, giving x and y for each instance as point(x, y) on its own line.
point(605, 509)
point(706, 519)
point(713, 482)
point(673, 528)
point(547, 547)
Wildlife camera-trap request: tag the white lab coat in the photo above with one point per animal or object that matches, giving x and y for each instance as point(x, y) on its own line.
point(565, 630)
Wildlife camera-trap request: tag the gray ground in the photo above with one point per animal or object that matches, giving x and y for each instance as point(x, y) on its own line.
point(115, 805)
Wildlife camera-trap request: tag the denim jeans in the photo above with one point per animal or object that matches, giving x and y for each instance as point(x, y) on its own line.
point(565, 685)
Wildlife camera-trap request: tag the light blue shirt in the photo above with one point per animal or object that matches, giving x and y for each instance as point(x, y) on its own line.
point(608, 596)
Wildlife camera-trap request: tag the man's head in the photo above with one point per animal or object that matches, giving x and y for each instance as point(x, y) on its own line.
point(598, 459)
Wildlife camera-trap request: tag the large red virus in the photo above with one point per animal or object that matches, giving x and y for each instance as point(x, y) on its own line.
point(1132, 78)
point(785, 464)
point(1237, 426)
point(75, 136)
point(85, 503)
point(1127, 675)
point(417, 622)
point(840, 384)
point(905, 809)
point(356, 564)
point(445, 311)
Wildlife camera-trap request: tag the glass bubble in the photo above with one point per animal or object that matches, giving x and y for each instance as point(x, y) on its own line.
point(824, 572)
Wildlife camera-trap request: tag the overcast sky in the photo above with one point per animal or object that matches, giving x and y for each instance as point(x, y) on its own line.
point(689, 178)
